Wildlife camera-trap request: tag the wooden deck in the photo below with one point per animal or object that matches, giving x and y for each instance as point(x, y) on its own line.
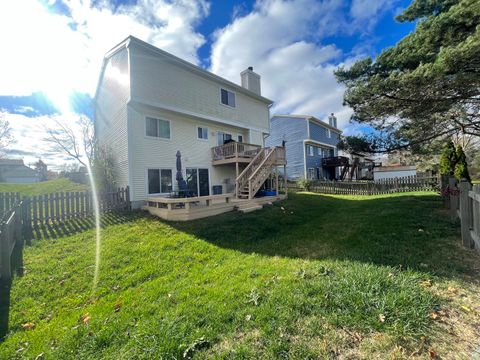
point(234, 152)
point(185, 209)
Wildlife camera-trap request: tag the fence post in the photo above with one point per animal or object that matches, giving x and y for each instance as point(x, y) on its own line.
point(5, 274)
point(127, 197)
point(454, 198)
point(466, 211)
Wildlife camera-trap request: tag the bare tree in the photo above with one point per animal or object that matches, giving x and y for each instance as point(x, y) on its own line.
point(6, 137)
point(74, 139)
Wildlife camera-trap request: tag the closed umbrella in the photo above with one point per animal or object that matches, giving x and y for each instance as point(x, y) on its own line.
point(179, 176)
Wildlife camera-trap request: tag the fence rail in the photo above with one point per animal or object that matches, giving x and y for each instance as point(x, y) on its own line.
point(384, 186)
point(19, 217)
point(464, 203)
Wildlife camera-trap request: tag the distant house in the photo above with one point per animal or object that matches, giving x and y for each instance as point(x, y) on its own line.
point(15, 171)
point(395, 171)
point(308, 141)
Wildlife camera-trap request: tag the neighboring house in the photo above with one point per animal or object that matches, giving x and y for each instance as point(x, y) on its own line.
point(395, 171)
point(15, 171)
point(361, 166)
point(308, 141)
point(150, 104)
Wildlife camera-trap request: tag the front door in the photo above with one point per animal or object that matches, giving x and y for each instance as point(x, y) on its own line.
point(203, 183)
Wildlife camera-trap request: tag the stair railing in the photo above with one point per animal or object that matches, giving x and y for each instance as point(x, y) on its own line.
point(242, 180)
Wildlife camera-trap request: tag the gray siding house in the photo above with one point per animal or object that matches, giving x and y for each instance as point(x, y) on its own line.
point(308, 140)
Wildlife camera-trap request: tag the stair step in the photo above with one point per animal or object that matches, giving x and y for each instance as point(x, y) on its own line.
point(251, 208)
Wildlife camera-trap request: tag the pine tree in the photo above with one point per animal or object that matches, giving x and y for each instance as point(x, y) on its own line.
point(461, 167)
point(448, 160)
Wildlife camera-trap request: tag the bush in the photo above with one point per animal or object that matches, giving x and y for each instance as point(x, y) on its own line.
point(305, 184)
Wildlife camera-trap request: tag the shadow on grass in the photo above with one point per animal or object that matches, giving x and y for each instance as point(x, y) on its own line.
point(407, 231)
point(58, 229)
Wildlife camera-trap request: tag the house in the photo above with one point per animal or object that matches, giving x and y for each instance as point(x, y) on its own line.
point(360, 167)
point(15, 171)
point(308, 142)
point(393, 171)
point(153, 109)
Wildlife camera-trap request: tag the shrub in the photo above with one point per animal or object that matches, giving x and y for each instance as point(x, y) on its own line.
point(305, 184)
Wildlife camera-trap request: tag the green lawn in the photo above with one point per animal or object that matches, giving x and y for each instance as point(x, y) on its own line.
point(44, 187)
point(311, 277)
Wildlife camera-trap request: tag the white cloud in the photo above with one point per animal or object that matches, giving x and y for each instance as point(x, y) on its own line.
point(29, 134)
point(54, 53)
point(296, 74)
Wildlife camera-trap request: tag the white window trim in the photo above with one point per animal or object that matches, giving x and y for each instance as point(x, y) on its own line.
point(329, 133)
point(243, 138)
point(159, 168)
point(308, 150)
point(308, 174)
point(156, 137)
point(220, 97)
point(224, 133)
point(202, 127)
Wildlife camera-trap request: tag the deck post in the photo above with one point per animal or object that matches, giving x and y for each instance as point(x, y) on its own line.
point(285, 180)
point(276, 180)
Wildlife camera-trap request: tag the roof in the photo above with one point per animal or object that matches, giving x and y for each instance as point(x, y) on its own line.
point(395, 168)
point(20, 171)
point(311, 118)
point(11, 162)
point(180, 62)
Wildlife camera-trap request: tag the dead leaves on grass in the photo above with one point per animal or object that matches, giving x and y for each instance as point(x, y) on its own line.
point(28, 326)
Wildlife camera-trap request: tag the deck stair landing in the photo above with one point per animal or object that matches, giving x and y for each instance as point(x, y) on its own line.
point(254, 175)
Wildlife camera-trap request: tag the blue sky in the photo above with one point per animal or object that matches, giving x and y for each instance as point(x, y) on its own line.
point(53, 51)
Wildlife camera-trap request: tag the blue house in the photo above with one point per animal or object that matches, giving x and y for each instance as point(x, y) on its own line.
point(308, 141)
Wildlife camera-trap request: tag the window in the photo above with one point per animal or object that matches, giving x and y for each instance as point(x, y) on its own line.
point(311, 173)
point(329, 133)
point(202, 133)
point(159, 181)
point(222, 137)
point(310, 150)
point(240, 138)
point(319, 151)
point(158, 128)
point(227, 97)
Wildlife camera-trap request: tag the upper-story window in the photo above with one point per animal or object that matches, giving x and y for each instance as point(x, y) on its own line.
point(202, 133)
point(157, 128)
point(227, 97)
point(310, 150)
point(319, 151)
point(222, 137)
point(240, 138)
point(329, 133)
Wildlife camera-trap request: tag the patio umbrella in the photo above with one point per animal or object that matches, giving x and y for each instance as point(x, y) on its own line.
point(179, 176)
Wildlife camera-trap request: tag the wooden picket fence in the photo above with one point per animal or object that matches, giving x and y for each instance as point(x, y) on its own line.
point(384, 186)
point(20, 216)
point(11, 235)
point(464, 204)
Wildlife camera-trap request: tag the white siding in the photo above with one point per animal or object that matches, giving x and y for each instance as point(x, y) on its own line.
point(149, 152)
point(111, 112)
point(157, 80)
point(379, 175)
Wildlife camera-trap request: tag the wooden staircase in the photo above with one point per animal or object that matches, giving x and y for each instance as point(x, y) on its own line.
point(252, 178)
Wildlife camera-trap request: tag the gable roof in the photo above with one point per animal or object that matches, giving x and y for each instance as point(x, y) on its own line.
point(311, 118)
point(131, 40)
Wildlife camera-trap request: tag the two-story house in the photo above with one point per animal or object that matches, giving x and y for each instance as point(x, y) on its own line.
point(308, 141)
point(151, 106)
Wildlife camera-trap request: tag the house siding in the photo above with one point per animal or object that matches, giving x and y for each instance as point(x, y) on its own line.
point(111, 112)
point(149, 152)
point(293, 131)
point(158, 81)
point(320, 133)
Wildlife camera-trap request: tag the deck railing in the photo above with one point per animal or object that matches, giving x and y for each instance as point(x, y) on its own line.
point(235, 149)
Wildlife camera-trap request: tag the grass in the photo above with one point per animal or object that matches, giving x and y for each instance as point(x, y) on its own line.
point(312, 277)
point(45, 187)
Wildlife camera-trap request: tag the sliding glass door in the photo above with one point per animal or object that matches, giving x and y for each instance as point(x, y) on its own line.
point(198, 181)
